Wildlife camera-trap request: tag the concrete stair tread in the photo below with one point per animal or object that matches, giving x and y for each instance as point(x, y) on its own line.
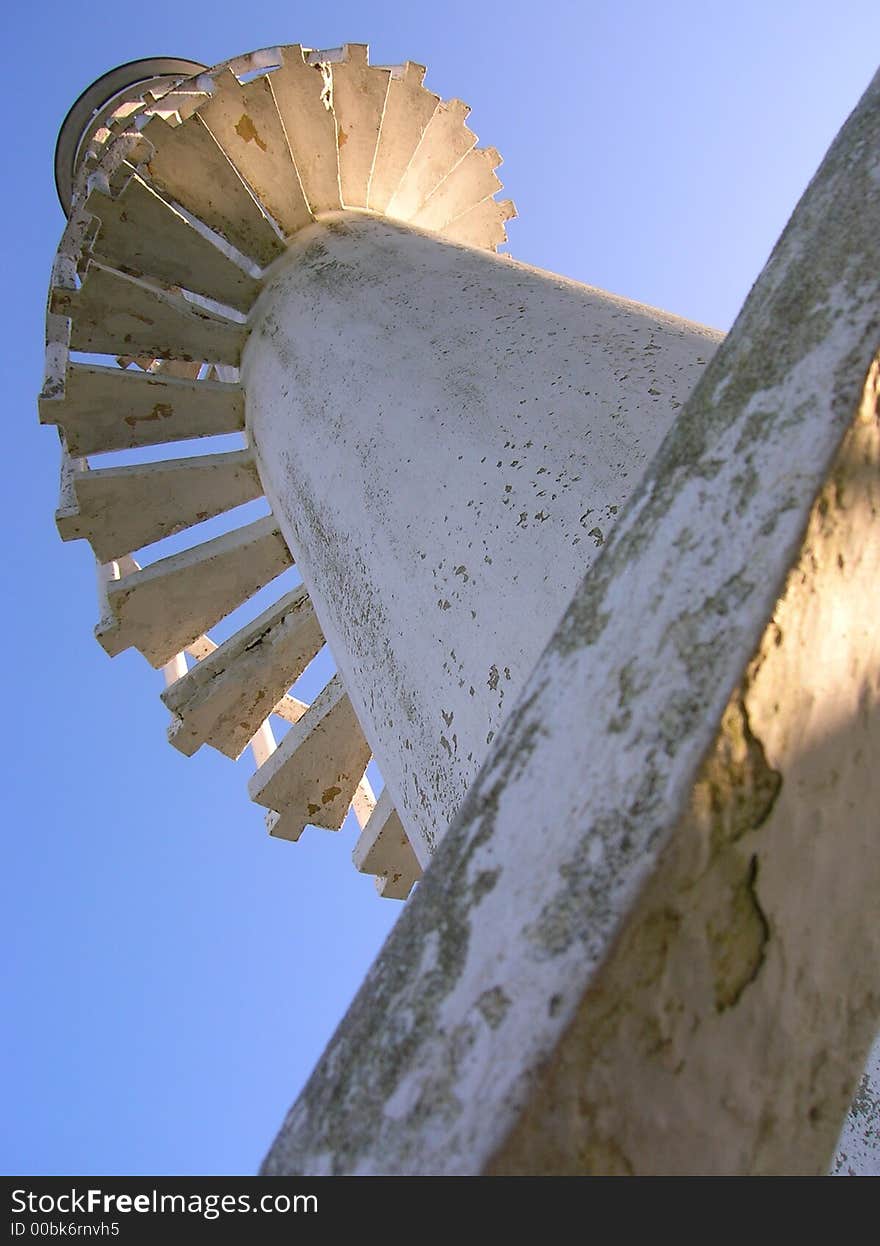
point(164, 607)
point(472, 180)
point(180, 102)
point(312, 777)
point(244, 120)
point(408, 109)
point(113, 314)
point(299, 89)
point(359, 93)
point(446, 139)
point(142, 234)
point(190, 167)
point(106, 409)
point(483, 225)
point(225, 697)
point(290, 708)
point(384, 850)
point(119, 509)
point(173, 367)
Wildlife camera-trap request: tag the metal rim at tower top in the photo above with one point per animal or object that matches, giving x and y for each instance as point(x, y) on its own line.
point(98, 100)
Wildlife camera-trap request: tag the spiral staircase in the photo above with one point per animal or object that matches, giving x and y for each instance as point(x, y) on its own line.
point(182, 191)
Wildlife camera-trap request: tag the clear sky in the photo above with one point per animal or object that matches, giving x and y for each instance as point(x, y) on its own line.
point(171, 975)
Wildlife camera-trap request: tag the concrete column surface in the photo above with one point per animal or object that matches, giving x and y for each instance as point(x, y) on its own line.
point(446, 437)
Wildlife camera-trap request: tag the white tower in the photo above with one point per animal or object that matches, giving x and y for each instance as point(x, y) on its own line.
point(301, 246)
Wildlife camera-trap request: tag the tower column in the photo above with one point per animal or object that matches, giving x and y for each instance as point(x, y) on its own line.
point(446, 437)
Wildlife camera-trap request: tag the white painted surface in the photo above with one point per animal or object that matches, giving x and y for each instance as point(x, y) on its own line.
point(408, 109)
point(141, 233)
point(359, 93)
point(190, 167)
point(383, 850)
point(169, 604)
point(119, 509)
point(244, 120)
point(312, 777)
point(446, 437)
point(114, 314)
point(103, 409)
point(227, 695)
point(469, 1001)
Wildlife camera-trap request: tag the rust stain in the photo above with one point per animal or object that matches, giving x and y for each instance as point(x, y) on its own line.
point(161, 411)
point(342, 138)
point(245, 129)
point(330, 794)
point(313, 809)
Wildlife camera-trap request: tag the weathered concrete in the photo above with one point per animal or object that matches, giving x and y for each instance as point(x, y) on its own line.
point(446, 139)
point(223, 700)
point(176, 205)
point(312, 777)
point(167, 605)
point(683, 960)
point(300, 90)
point(471, 181)
point(742, 940)
point(631, 766)
point(120, 509)
point(359, 93)
point(482, 226)
point(384, 850)
point(446, 437)
point(103, 409)
point(858, 1149)
point(114, 314)
point(244, 120)
point(190, 167)
point(408, 109)
point(140, 233)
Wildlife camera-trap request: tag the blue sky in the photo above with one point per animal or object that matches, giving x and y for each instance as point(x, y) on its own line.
point(171, 975)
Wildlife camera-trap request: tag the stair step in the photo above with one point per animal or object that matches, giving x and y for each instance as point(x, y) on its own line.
point(106, 409)
point(182, 101)
point(445, 141)
point(471, 181)
point(118, 509)
point(112, 314)
point(166, 606)
point(483, 225)
point(177, 367)
point(359, 93)
point(141, 234)
point(408, 109)
point(312, 776)
point(300, 91)
point(383, 849)
point(224, 698)
point(244, 120)
point(395, 885)
point(290, 709)
point(190, 167)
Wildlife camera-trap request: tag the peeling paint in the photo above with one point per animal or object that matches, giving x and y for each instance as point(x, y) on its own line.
point(247, 131)
point(555, 786)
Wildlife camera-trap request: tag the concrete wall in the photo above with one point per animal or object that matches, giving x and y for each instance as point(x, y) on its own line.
point(447, 437)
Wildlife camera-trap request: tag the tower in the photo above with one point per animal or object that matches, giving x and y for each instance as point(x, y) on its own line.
point(302, 244)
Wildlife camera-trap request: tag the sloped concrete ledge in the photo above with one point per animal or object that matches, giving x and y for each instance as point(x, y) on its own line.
point(559, 860)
